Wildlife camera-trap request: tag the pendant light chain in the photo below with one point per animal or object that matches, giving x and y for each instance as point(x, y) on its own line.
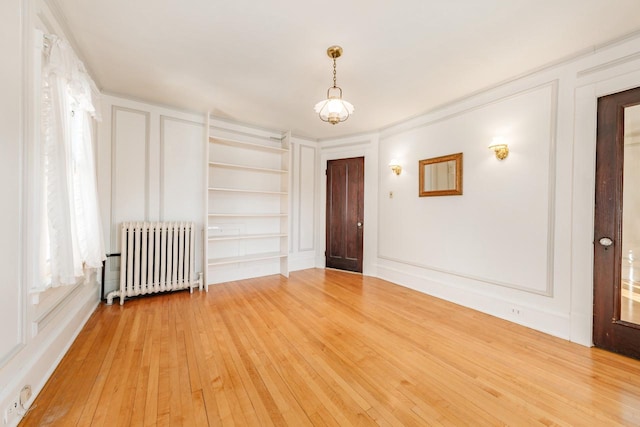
point(333, 109)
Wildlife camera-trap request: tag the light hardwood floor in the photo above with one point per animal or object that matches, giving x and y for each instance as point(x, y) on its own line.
point(327, 348)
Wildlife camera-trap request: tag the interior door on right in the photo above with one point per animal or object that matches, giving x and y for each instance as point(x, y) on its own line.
point(616, 315)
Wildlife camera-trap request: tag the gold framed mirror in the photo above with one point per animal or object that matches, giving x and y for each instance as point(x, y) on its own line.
point(440, 176)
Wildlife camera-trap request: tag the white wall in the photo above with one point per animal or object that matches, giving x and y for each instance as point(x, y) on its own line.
point(150, 168)
point(491, 248)
point(151, 162)
point(304, 204)
point(10, 172)
point(36, 329)
point(518, 243)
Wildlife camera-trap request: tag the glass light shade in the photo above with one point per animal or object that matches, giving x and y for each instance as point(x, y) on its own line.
point(499, 146)
point(334, 110)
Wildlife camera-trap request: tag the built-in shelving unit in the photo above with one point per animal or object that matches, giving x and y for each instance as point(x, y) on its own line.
point(247, 206)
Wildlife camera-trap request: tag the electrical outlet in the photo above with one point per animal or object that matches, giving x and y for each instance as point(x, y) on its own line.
point(515, 311)
point(10, 411)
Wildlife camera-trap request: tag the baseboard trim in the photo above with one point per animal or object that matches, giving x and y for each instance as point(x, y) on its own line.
point(302, 260)
point(556, 324)
point(47, 353)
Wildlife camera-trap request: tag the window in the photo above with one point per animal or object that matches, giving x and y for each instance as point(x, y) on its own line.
point(71, 235)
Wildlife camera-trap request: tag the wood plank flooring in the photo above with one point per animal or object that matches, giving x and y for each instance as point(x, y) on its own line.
point(326, 348)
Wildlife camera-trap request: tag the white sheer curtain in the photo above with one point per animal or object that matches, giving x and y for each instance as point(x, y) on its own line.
point(72, 234)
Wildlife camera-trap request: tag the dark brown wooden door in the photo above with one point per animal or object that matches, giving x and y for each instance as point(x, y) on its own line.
point(616, 308)
point(345, 207)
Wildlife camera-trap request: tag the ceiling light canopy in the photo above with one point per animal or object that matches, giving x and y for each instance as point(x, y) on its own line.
point(334, 109)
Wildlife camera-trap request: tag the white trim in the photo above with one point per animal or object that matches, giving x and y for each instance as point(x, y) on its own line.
point(608, 65)
point(553, 323)
point(52, 312)
point(302, 260)
point(39, 365)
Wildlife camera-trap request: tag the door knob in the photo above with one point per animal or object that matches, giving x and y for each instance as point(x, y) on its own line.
point(606, 242)
point(359, 224)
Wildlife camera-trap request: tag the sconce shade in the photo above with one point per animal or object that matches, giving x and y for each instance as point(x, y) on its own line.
point(501, 150)
point(499, 146)
point(395, 166)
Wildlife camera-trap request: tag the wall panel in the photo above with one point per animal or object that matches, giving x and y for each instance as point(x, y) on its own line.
point(181, 172)
point(306, 196)
point(129, 168)
point(500, 231)
point(151, 169)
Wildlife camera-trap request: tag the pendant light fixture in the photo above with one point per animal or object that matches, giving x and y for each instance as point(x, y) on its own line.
point(334, 109)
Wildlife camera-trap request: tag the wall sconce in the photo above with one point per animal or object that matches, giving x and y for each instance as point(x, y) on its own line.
point(500, 148)
point(395, 166)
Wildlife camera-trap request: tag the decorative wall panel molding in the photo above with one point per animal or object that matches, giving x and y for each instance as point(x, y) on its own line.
point(130, 138)
point(517, 195)
point(306, 197)
point(181, 175)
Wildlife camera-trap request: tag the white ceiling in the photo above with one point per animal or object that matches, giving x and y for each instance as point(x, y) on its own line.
point(265, 63)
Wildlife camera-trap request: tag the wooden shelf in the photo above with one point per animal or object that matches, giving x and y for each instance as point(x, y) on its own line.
point(236, 190)
point(245, 258)
point(250, 145)
point(248, 168)
point(245, 236)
